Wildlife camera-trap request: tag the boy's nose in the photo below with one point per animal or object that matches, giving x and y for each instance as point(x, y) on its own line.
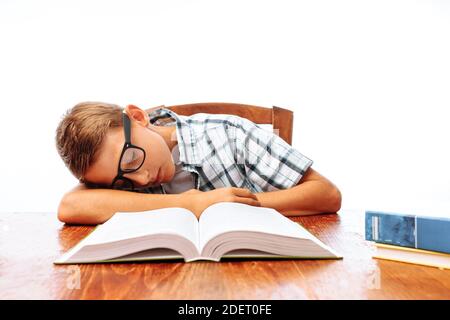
point(140, 177)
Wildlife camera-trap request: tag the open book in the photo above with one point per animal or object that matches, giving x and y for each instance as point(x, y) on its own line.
point(224, 230)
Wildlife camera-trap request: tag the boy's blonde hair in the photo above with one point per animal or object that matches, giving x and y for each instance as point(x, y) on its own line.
point(81, 132)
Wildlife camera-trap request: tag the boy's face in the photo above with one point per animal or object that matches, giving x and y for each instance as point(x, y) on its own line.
point(158, 155)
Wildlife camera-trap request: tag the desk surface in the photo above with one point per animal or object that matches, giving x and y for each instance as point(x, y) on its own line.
point(29, 243)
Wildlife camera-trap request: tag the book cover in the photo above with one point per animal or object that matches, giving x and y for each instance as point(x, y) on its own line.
point(408, 230)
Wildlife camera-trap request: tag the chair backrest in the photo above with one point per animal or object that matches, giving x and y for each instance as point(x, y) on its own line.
point(280, 119)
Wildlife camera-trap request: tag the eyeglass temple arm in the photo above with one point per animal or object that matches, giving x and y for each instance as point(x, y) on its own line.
point(126, 127)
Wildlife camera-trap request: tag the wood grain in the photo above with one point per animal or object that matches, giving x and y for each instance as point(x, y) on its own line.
point(29, 243)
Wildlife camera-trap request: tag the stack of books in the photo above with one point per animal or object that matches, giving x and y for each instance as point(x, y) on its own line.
point(410, 238)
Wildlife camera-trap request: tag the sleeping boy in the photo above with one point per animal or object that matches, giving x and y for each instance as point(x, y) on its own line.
point(128, 159)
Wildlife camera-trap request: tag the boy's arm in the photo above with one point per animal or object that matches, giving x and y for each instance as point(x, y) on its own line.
point(313, 194)
point(291, 186)
point(83, 205)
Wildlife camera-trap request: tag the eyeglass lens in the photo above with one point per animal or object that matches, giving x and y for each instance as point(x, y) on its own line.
point(132, 159)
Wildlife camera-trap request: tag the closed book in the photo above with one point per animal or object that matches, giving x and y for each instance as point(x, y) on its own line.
point(415, 256)
point(408, 230)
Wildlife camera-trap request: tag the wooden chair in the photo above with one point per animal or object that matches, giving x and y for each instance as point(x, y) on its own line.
point(280, 119)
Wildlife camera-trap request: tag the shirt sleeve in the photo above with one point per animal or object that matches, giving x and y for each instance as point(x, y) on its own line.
point(269, 161)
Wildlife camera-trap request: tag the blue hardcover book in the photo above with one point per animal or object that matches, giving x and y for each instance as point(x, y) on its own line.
point(406, 230)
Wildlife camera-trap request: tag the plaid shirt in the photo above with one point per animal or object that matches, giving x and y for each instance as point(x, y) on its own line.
point(223, 150)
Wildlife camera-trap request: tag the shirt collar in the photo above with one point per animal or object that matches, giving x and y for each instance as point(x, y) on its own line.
point(190, 153)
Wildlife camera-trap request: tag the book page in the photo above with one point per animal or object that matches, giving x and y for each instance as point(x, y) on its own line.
point(230, 216)
point(125, 225)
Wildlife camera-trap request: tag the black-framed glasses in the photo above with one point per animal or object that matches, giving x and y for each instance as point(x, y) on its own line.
point(131, 159)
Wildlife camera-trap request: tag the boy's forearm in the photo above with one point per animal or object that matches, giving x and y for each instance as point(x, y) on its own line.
point(310, 197)
point(94, 206)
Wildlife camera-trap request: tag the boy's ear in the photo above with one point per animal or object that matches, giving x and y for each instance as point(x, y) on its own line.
point(137, 114)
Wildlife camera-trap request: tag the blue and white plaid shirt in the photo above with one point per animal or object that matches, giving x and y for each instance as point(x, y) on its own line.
point(223, 150)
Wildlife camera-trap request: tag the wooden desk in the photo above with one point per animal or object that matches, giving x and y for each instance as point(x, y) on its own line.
point(29, 242)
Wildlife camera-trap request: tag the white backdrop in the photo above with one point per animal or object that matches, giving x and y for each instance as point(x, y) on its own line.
point(368, 82)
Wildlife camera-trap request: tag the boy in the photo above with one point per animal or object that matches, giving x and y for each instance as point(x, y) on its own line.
point(131, 160)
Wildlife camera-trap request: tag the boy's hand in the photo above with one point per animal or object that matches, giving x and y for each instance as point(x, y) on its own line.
point(200, 200)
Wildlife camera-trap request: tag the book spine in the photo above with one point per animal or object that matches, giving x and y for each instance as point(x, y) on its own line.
point(398, 230)
point(427, 233)
point(433, 234)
